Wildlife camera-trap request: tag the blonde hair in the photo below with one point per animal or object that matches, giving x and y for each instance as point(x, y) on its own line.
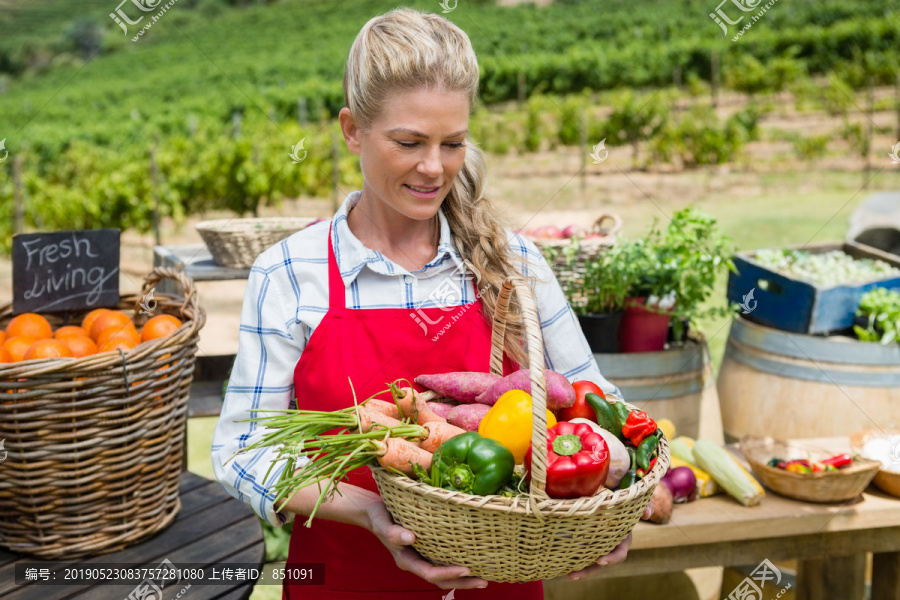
point(404, 50)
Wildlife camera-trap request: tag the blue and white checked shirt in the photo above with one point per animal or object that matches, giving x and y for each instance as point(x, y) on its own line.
point(286, 298)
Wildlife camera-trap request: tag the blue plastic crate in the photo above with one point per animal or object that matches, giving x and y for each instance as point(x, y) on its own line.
point(798, 306)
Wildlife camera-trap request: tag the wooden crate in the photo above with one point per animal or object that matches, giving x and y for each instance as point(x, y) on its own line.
point(799, 306)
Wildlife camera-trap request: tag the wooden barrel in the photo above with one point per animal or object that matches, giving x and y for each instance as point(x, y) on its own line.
point(676, 384)
point(790, 385)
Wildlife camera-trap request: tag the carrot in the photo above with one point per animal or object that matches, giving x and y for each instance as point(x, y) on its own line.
point(438, 433)
point(368, 418)
point(413, 406)
point(386, 408)
point(395, 453)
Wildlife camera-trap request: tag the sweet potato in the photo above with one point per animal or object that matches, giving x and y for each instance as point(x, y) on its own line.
point(439, 408)
point(560, 393)
point(462, 386)
point(468, 416)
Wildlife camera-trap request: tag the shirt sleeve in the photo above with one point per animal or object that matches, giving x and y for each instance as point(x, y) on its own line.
point(566, 350)
point(262, 377)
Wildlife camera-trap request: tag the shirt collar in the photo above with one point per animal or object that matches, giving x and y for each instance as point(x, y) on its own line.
point(352, 256)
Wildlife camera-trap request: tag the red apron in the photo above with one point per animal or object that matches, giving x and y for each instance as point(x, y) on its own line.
point(373, 347)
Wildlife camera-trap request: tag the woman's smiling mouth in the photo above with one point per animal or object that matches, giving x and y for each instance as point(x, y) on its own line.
point(422, 192)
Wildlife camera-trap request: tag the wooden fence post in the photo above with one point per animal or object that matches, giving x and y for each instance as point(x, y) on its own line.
point(301, 111)
point(18, 196)
point(154, 186)
point(335, 172)
point(583, 147)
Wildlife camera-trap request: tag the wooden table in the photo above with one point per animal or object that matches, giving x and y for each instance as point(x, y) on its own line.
point(212, 528)
point(829, 540)
point(196, 262)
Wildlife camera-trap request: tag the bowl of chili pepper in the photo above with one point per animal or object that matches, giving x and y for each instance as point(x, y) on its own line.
point(808, 474)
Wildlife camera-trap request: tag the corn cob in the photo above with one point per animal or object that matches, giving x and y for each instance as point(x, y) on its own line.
point(681, 448)
point(727, 472)
point(706, 485)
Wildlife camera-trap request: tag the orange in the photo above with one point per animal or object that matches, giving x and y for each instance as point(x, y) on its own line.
point(4, 355)
point(48, 349)
point(69, 330)
point(116, 344)
point(80, 345)
point(2, 337)
point(125, 332)
point(17, 346)
point(31, 324)
point(109, 319)
point(159, 326)
point(92, 316)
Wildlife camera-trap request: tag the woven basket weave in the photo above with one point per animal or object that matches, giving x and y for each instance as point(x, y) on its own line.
point(236, 243)
point(568, 258)
point(95, 444)
point(825, 486)
point(526, 538)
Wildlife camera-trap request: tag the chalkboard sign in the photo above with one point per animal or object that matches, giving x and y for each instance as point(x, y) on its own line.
point(65, 270)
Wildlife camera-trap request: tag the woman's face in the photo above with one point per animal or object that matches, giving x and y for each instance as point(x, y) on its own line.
point(412, 153)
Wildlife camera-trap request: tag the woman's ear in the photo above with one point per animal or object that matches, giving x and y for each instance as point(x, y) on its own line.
point(350, 130)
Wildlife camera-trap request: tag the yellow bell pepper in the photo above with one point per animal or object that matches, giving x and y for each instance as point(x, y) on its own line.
point(509, 422)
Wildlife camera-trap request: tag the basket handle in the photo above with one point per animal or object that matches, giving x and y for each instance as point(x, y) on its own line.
point(160, 273)
point(535, 341)
point(616, 226)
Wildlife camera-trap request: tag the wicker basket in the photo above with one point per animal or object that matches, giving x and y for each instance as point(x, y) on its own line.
point(887, 481)
point(569, 257)
point(526, 538)
point(824, 486)
point(95, 444)
point(236, 243)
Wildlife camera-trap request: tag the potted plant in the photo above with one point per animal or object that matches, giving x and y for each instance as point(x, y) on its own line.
point(649, 303)
point(601, 299)
point(678, 270)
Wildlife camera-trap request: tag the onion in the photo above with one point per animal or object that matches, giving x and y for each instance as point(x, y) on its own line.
point(619, 461)
point(682, 482)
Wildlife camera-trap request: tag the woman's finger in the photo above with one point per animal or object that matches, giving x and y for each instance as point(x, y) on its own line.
point(443, 577)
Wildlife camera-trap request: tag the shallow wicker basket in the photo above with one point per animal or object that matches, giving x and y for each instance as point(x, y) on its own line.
point(95, 444)
point(569, 257)
point(887, 481)
point(236, 243)
point(825, 486)
point(526, 538)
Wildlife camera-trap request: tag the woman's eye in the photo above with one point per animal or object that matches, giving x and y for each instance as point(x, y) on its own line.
point(456, 144)
point(408, 144)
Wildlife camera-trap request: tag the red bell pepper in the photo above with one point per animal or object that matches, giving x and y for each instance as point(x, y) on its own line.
point(581, 409)
point(641, 473)
point(577, 461)
point(638, 426)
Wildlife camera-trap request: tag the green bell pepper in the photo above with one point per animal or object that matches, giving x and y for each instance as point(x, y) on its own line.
point(472, 464)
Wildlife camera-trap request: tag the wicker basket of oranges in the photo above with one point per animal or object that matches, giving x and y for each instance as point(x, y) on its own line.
point(93, 413)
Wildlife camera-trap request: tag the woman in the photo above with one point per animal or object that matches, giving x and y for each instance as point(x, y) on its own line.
point(382, 292)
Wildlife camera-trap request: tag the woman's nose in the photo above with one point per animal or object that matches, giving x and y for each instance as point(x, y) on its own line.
point(430, 164)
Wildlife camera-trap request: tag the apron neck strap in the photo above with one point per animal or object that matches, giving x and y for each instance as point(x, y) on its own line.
point(337, 294)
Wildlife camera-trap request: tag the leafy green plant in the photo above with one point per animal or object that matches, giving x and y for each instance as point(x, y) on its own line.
point(607, 282)
point(882, 309)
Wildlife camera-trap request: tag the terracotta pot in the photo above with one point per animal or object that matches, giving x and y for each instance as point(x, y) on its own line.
point(642, 330)
point(601, 331)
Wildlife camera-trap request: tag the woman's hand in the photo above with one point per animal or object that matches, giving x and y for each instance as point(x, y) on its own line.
point(616, 556)
point(397, 539)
